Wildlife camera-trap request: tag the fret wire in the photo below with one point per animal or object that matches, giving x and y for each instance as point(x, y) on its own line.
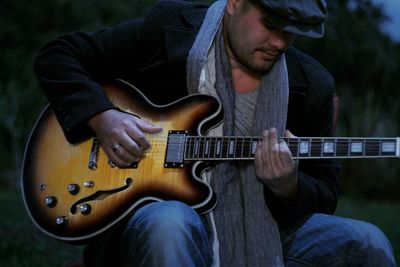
point(194, 147)
point(199, 147)
point(203, 146)
point(191, 148)
point(250, 140)
point(334, 145)
point(218, 148)
point(186, 146)
point(348, 147)
point(233, 150)
point(363, 148)
point(322, 147)
point(199, 150)
point(206, 148)
point(241, 152)
point(212, 147)
point(224, 147)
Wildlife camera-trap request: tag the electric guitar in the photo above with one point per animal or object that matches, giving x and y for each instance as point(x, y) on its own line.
point(73, 194)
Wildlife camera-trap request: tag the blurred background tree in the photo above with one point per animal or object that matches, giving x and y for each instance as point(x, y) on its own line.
point(364, 61)
point(366, 65)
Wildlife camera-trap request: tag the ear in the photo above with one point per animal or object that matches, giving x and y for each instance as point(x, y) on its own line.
point(232, 5)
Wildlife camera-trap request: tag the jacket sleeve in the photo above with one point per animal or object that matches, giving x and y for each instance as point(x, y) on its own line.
point(317, 178)
point(68, 68)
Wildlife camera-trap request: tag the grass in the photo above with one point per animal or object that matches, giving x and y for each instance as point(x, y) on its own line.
point(23, 245)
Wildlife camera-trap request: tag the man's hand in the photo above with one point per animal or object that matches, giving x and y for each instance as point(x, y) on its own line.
point(275, 166)
point(122, 135)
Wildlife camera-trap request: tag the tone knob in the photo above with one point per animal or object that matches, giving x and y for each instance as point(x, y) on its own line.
point(73, 189)
point(61, 220)
point(85, 209)
point(50, 201)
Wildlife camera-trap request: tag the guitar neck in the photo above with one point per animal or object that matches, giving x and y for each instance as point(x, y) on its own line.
point(244, 148)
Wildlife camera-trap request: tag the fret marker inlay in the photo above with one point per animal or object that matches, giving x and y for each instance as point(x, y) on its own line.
point(254, 147)
point(388, 147)
point(329, 147)
point(304, 148)
point(231, 147)
point(356, 147)
point(218, 147)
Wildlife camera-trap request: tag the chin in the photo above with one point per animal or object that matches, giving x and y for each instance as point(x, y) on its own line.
point(263, 66)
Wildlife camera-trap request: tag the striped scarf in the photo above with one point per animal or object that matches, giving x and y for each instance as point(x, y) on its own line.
point(247, 233)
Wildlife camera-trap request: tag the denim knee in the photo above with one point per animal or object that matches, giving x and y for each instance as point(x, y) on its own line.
point(167, 217)
point(370, 243)
point(326, 240)
point(168, 233)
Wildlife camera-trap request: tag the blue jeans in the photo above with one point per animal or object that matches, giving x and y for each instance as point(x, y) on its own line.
point(166, 234)
point(171, 234)
point(326, 240)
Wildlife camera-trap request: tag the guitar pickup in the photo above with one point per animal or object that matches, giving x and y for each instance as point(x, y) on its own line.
point(174, 155)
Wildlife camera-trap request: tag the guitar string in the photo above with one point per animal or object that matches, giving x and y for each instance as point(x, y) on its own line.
point(340, 151)
point(370, 145)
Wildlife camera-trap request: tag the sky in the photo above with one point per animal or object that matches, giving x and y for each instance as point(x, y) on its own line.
point(392, 10)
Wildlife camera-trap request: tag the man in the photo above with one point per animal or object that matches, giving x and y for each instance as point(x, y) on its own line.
point(272, 212)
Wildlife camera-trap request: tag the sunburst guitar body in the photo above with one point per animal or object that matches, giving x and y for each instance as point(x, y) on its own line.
point(71, 191)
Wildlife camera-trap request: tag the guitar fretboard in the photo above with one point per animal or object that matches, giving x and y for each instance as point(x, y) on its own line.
point(181, 147)
point(242, 148)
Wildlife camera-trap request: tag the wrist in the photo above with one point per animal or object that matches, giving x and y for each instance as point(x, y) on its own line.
point(285, 187)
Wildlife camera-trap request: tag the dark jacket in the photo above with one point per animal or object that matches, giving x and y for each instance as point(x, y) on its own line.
point(151, 53)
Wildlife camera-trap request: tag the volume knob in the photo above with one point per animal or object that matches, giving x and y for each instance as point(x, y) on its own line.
point(61, 220)
point(50, 201)
point(85, 209)
point(73, 189)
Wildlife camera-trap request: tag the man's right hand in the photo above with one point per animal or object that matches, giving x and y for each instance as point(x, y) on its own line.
point(122, 135)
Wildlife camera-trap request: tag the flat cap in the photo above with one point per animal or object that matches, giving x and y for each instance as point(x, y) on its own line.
point(301, 17)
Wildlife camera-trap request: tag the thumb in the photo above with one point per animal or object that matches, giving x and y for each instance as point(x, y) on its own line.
point(288, 134)
point(148, 127)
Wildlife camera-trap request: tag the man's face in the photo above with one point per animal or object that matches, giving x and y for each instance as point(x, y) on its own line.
point(251, 40)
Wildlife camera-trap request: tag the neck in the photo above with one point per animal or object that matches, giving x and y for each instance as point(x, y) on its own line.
point(244, 82)
point(244, 79)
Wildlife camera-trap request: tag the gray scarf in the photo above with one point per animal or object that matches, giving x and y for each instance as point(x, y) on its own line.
point(247, 232)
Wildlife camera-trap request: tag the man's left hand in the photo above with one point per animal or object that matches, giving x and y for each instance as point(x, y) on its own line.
point(275, 166)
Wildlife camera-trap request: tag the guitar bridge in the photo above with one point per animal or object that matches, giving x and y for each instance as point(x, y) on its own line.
point(175, 149)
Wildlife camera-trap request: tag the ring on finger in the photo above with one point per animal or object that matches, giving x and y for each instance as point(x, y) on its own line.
point(115, 147)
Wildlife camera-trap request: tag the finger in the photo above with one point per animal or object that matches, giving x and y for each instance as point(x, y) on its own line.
point(124, 154)
point(148, 127)
point(137, 133)
point(289, 134)
point(285, 155)
point(265, 147)
point(276, 163)
point(114, 158)
point(131, 144)
point(257, 156)
point(273, 139)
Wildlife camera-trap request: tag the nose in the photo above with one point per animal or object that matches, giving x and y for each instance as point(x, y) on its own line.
point(280, 39)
